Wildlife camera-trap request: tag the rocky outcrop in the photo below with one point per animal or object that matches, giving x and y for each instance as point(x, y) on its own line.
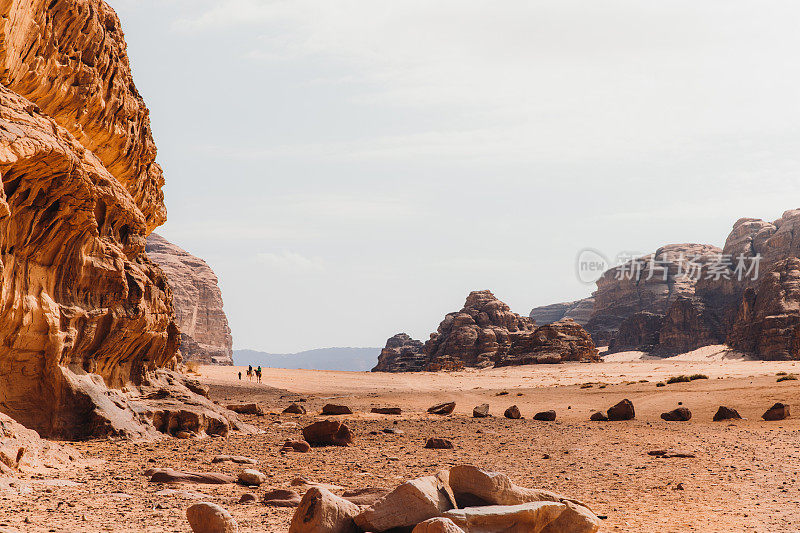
point(580, 311)
point(484, 333)
point(688, 325)
point(86, 319)
point(768, 321)
point(69, 58)
point(554, 343)
point(196, 296)
point(401, 354)
point(478, 334)
point(647, 284)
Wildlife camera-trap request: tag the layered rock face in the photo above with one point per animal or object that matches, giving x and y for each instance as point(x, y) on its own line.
point(580, 311)
point(768, 321)
point(648, 284)
point(84, 314)
point(205, 334)
point(484, 333)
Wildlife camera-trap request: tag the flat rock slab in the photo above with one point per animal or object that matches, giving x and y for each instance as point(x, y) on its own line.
point(439, 444)
point(168, 475)
point(545, 416)
point(523, 518)
point(239, 459)
point(334, 409)
point(442, 408)
point(387, 410)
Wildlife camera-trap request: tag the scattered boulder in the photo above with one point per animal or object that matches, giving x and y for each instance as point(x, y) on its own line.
point(442, 408)
point(207, 517)
point(406, 506)
point(598, 416)
point(299, 446)
point(387, 410)
point(681, 414)
point(779, 411)
point(436, 443)
point(437, 525)
point(239, 459)
point(251, 476)
point(726, 413)
point(248, 497)
point(321, 511)
point(246, 409)
point(328, 433)
point(295, 409)
point(365, 496)
point(512, 413)
point(333, 409)
point(622, 411)
point(481, 411)
point(524, 517)
point(281, 498)
point(545, 416)
point(168, 475)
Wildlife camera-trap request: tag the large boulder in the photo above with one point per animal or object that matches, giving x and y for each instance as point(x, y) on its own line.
point(406, 506)
point(197, 298)
point(523, 518)
point(437, 525)
point(622, 411)
point(321, 511)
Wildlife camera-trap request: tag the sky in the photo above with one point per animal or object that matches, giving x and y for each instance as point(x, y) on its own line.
point(353, 169)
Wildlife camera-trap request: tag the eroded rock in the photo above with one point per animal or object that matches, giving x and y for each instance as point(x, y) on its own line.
point(779, 411)
point(406, 506)
point(622, 411)
point(328, 433)
point(321, 511)
point(726, 413)
point(443, 408)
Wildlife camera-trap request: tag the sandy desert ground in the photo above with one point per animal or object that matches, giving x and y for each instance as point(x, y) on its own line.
point(744, 476)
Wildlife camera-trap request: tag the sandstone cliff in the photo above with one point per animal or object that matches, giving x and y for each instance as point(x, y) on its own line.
point(205, 335)
point(86, 320)
point(580, 311)
point(648, 284)
point(484, 333)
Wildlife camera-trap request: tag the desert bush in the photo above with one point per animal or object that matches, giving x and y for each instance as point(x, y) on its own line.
point(661, 384)
point(697, 376)
point(787, 377)
point(678, 379)
point(193, 366)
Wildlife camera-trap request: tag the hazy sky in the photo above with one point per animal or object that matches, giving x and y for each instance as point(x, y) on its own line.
point(352, 169)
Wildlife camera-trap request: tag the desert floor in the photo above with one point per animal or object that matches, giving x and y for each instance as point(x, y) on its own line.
point(744, 476)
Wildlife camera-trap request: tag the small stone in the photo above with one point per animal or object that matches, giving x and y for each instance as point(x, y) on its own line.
point(248, 497)
point(681, 414)
point(332, 409)
point(295, 409)
point(299, 446)
point(442, 408)
point(622, 411)
point(250, 476)
point(726, 413)
point(281, 498)
point(439, 444)
point(210, 518)
point(387, 410)
point(513, 413)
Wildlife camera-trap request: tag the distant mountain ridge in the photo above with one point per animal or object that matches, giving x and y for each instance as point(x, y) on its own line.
point(348, 359)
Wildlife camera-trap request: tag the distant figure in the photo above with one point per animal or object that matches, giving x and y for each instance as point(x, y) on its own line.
point(258, 373)
point(250, 373)
point(240, 375)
